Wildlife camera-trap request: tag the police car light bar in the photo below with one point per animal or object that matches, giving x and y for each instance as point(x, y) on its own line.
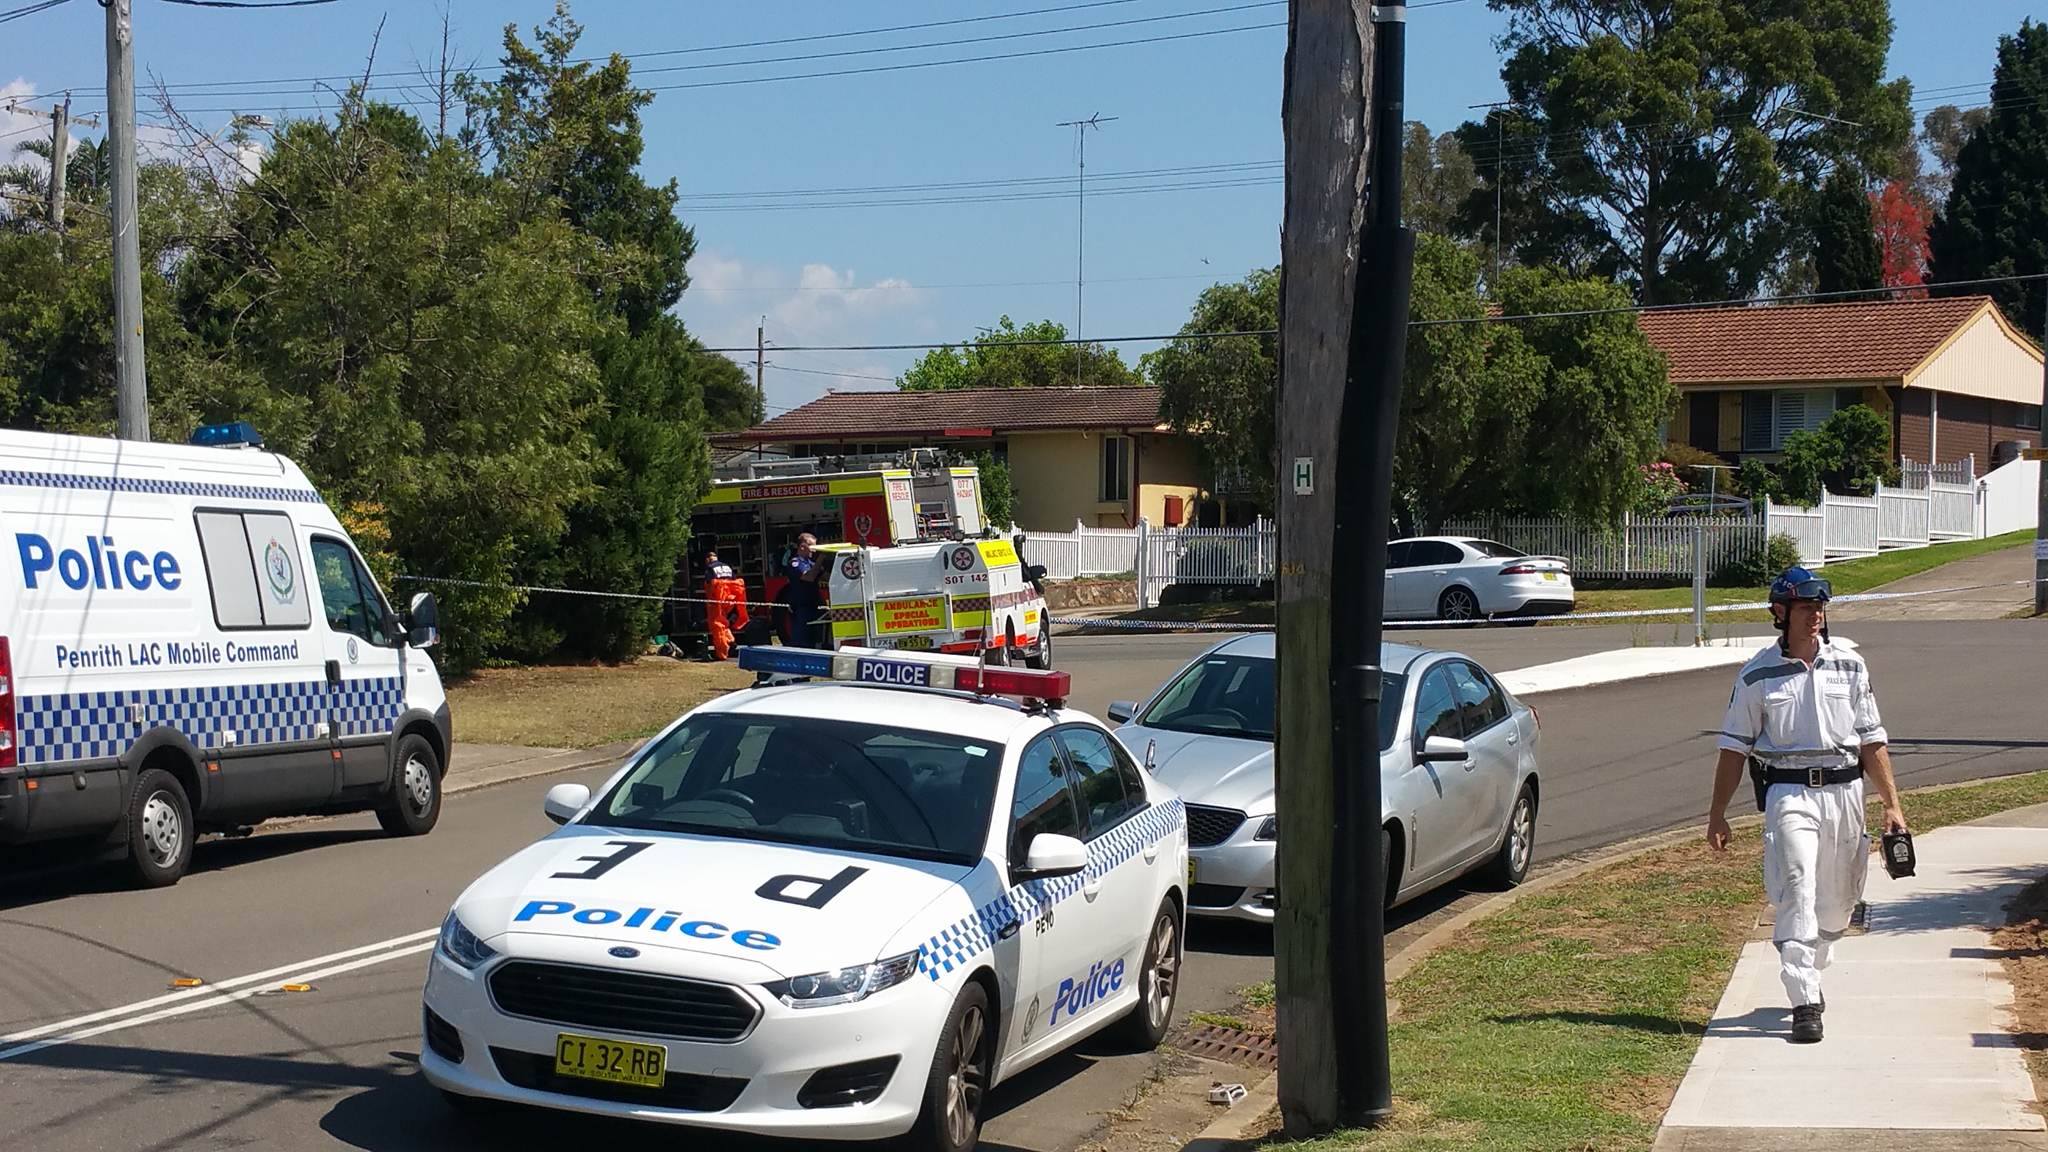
point(240, 434)
point(900, 670)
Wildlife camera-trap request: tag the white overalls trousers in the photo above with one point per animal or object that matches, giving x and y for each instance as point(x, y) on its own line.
point(1816, 849)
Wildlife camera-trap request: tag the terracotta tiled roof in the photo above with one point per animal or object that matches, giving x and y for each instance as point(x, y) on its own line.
point(845, 415)
point(1859, 341)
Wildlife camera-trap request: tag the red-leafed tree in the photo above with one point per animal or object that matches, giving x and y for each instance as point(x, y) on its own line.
point(1900, 218)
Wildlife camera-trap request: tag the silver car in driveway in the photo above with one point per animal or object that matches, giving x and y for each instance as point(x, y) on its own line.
point(1458, 780)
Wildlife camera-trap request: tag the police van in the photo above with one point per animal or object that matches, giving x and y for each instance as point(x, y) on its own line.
point(190, 643)
point(956, 596)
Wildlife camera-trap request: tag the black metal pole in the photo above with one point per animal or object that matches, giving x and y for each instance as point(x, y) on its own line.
point(1364, 499)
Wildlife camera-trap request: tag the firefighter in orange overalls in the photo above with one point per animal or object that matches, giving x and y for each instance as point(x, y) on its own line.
point(728, 609)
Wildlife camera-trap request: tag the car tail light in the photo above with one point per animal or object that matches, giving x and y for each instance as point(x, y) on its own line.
point(1519, 570)
point(1053, 686)
point(8, 759)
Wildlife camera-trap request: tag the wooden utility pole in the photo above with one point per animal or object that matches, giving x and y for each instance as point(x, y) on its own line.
point(60, 152)
point(760, 365)
point(1343, 325)
point(131, 383)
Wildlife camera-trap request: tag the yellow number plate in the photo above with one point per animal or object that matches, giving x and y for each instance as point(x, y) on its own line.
point(613, 1061)
point(914, 643)
point(1191, 871)
point(1550, 575)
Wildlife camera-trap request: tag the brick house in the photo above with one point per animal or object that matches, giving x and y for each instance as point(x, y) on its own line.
point(1952, 375)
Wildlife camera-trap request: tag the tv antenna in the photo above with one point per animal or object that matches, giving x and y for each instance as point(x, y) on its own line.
point(1081, 128)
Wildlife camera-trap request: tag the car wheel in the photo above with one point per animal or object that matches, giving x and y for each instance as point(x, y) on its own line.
point(1517, 844)
point(415, 801)
point(1457, 603)
point(959, 1077)
point(160, 829)
point(1041, 659)
point(1158, 983)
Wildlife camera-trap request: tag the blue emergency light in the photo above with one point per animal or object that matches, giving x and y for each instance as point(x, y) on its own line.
point(240, 434)
point(901, 670)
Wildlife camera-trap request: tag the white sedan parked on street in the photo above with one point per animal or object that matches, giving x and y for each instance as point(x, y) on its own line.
point(840, 910)
point(1458, 783)
point(1463, 578)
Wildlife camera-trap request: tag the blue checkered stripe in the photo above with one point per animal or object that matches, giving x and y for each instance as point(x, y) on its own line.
point(962, 941)
point(24, 479)
point(97, 725)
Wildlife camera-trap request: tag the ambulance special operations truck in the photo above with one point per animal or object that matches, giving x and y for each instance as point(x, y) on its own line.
point(190, 643)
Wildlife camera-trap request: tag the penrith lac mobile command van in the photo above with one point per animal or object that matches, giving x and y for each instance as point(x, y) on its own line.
point(190, 643)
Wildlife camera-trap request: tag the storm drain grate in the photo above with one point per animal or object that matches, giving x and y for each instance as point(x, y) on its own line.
point(1233, 1045)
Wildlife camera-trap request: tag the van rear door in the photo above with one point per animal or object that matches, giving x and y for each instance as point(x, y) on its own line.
point(363, 665)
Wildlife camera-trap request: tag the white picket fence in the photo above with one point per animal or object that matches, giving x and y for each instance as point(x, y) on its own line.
point(1640, 547)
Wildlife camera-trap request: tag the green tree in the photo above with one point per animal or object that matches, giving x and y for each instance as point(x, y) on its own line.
point(565, 139)
point(413, 342)
point(996, 360)
point(1944, 130)
point(1670, 143)
point(1221, 392)
point(1996, 223)
point(1606, 393)
point(1846, 256)
point(998, 501)
point(1437, 177)
point(1467, 395)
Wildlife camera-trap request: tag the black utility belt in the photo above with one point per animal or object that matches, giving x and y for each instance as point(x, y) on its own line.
point(1763, 777)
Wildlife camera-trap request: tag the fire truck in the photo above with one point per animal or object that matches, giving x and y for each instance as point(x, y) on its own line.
point(756, 509)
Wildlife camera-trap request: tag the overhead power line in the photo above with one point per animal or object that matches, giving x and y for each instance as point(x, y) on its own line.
point(29, 10)
point(249, 3)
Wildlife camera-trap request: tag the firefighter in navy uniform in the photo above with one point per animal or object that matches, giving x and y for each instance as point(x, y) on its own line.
point(1803, 720)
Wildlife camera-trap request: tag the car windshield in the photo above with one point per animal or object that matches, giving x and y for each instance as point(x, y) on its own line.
point(1226, 695)
point(1494, 551)
point(821, 783)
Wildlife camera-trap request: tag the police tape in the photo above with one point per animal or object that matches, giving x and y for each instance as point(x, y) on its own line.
point(1086, 622)
point(499, 586)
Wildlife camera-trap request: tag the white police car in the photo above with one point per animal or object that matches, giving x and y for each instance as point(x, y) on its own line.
point(837, 910)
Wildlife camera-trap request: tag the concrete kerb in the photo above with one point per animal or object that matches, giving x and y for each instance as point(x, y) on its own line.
point(569, 760)
point(1229, 1131)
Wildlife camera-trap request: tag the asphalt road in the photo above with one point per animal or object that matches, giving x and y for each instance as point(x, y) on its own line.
point(351, 913)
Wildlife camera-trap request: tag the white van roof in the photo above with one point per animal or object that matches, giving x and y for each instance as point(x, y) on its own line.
point(140, 466)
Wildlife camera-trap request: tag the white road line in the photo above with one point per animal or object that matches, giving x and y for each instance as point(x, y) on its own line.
point(217, 1000)
point(211, 990)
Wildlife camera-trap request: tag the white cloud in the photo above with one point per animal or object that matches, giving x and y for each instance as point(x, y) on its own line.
point(814, 304)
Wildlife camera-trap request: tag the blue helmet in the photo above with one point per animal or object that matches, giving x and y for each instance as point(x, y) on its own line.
point(1799, 584)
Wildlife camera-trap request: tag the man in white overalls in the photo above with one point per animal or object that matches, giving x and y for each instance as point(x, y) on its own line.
point(1804, 720)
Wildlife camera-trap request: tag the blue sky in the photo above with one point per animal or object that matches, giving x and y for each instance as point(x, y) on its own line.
point(904, 273)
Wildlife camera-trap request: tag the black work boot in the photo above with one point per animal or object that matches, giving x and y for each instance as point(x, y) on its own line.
point(1806, 1024)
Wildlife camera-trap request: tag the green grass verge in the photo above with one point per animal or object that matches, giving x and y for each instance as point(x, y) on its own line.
point(582, 705)
point(1565, 1022)
point(1848, 577)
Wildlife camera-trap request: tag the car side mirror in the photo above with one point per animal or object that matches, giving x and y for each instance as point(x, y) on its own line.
point(1443, 748)
point(564, 801)
point(423, 621)
point(1121, 711)
point(1053, 855)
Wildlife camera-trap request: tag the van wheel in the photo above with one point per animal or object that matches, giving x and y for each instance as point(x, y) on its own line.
point(995, 657)
point(160, 829)
point(415, 801)
point(958, 1080)
point(1042, 658)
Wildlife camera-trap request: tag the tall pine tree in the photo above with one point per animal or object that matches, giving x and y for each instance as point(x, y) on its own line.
point(1845, 252)
point(1997, 218)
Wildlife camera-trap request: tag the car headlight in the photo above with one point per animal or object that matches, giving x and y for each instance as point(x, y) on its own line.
point(461, 946)
point(1270, 830)
point(844, 985)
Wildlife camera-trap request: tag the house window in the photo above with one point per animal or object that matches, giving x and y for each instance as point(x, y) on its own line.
point(1116, 469)
point(2029, 418)
point(1768, 418)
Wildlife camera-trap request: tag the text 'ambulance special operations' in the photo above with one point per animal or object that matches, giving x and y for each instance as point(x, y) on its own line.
point(190, 643)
